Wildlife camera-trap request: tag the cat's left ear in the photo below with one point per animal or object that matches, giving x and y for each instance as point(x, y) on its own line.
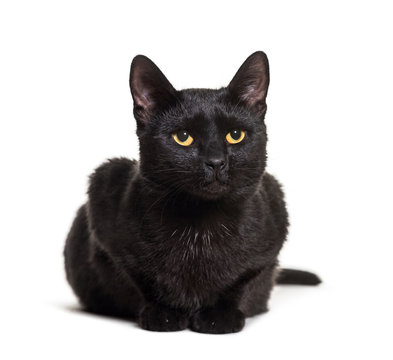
point(250, 84)
point(150, 89)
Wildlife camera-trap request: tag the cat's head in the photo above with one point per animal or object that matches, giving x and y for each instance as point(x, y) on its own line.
point(203, 142)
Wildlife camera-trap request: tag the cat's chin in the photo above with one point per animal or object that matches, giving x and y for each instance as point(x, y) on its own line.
point(213, 190)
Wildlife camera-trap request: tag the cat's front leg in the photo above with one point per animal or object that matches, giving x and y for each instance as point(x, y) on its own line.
point(220, 319)
point(225, 315)
point(157, 317)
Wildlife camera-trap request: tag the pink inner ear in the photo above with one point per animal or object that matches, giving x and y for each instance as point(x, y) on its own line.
point(142, 99)
point(140, 88)
point(150, 88)
point(255, 93)
point(251, 82)
point(257, 76)
point(141, 95)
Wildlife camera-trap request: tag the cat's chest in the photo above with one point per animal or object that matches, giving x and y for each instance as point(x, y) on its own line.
point(190, 263)
point(190, 244)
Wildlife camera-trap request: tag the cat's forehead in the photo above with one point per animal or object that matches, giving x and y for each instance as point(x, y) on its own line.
point(201, 100)
point(202, 95)
point(204, 107)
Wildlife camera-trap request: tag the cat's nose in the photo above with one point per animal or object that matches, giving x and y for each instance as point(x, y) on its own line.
point(216, 163)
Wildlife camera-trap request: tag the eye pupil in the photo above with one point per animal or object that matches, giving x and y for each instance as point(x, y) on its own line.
point(182, 135)
point(235, 134)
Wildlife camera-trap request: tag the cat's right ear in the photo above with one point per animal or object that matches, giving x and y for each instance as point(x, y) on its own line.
point(150, 89)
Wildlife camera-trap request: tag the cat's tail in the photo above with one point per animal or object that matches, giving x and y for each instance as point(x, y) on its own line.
point(297, 277)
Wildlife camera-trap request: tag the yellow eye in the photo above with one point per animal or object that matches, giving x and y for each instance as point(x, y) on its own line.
point(183, 138)
point(235, 136)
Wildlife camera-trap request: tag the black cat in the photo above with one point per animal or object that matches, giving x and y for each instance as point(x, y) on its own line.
point(189, 235)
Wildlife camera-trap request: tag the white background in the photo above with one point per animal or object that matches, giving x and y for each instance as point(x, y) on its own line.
point(65, 107)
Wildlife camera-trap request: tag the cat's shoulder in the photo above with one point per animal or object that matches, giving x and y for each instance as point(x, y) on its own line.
point(112, 175)
point(272, 191)
point(270, 182)
point(271, 186)
point(108, 185)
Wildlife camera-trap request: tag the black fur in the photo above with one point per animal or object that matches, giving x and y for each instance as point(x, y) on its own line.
point(290, 276)
point(189, 236)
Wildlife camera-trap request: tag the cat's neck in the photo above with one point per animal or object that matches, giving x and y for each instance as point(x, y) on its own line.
point(174, 202)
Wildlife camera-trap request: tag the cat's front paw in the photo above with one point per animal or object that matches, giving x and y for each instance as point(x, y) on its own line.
point(159, 318)
point(217, 321)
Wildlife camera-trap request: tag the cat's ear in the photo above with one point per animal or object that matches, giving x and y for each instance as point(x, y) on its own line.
point(249, 85)
point(150, 89)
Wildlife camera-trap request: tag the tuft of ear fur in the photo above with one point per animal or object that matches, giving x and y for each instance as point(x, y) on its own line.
point(150, 89)
point(251, 82)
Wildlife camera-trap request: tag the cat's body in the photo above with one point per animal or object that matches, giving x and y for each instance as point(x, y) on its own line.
point(188, 237)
